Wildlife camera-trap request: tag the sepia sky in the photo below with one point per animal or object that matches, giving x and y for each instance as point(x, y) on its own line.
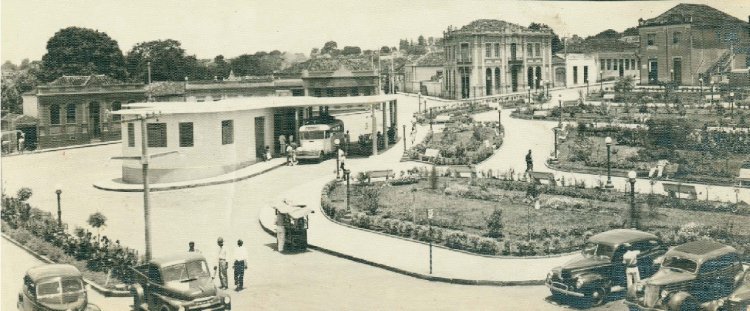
point(208, 28)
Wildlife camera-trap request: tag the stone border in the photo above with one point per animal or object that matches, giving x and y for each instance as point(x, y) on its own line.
point(64, 148)
point(156, 187)
point(99, 288)
point(415, 274)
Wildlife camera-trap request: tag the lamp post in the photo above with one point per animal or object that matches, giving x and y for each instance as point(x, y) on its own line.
point(430, 119)
point(601, 81)
point(404, 135)
point(337, 142)
point(59, 210)
point(701, 81)
point(150, 99)
point(547, 82)
point(587, 88)
point(347, 173)
point(529, 89)
point(633, 211)
point(559, 102)
point(419, 102)
point(499, 117)
point(608, 142)
point(731, 105)
point(712, 92)
point(554, 155)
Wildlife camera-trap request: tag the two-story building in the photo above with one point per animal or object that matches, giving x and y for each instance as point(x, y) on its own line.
point(490, 56)
point(425, 74)
point(689, 42)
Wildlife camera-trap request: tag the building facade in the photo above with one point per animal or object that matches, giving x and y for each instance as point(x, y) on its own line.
point(489, 57)
point(689, 42)
point(74, 110)
point(425, 75)
point(617, 64)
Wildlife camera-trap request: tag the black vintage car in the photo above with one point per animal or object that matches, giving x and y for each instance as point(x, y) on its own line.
point(739, 300)
point(600, 270)
point(694, 276)
point(54, 287)
point(177, 283)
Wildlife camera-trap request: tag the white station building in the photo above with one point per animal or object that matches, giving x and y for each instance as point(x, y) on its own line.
point(194, 140)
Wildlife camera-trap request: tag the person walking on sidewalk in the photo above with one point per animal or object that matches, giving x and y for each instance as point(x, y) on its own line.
point(529, 162)
point(223, 264)
point(240, 265)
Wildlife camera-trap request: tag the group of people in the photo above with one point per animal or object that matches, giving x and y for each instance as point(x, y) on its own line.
point(290, 150)
point(239, 263)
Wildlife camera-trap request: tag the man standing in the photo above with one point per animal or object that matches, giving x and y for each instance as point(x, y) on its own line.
point(240, 265)
point(223, 264)
point(529, 162)
point(191, 247)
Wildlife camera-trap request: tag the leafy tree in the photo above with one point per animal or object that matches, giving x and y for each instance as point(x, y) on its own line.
point(8, 66)
point(403, 44)
point(314, 52)
point(221, 66)
point(431, 41)
point(556, 43)
point(11, 98)
point(624, 85)
point(329, 48)
point(370, 199)
point(168, 61)
point(82, 51)
point(97, 220)
point(385, 50)
point(351, 50)
point(421, 41)
point(24, 194)
point(245, 65)
point(607, 34)
point(632, 31)
point(433, 178)
point(495, 224)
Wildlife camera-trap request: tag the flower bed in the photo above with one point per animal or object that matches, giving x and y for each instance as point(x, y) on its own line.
point(495, 217)
point(460, 143)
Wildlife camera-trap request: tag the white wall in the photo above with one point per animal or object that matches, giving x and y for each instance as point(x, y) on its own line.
point(580, 61)
point(208, 157)
point(30, 105)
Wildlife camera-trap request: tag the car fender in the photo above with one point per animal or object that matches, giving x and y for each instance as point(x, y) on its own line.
point(591, 280)
point(676, 300)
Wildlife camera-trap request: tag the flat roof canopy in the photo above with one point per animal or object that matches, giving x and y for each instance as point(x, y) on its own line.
point(249, 103)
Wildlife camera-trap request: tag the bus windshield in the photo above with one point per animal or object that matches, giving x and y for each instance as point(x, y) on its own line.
point(309, 135)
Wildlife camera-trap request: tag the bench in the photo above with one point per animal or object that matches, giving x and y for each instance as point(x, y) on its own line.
point(608, 96)
point(538, 177)
point(677, 190)
point(464, 171)
point(380, 174)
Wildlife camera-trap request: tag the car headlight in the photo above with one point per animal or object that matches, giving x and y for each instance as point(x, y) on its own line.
point(664, 294)
point(227, 300)
point(579, 283)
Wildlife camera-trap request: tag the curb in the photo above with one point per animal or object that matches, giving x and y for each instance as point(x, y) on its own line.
point(196, 185)
point(64, 148)
point(415, 274)
point(101, 289)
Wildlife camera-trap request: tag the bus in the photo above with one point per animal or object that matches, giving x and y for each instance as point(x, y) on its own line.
point(317, 138)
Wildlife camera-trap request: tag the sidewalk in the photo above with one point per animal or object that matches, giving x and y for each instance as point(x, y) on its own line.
point(241, 174)
point(407, 256)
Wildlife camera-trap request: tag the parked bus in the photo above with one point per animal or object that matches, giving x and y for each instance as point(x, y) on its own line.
point(317, 138)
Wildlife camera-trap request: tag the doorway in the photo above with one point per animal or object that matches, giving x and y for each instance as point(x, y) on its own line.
point(260, 134)
point(514, 78)
point(94, 120)
point(677, 64)
point(653, 72)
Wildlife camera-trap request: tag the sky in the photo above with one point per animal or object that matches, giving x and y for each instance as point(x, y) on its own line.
point(231, 28)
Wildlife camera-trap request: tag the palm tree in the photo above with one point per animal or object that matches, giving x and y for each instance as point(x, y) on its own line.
point(97, 220)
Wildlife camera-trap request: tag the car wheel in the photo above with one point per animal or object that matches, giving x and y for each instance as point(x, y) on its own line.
point(598, 297)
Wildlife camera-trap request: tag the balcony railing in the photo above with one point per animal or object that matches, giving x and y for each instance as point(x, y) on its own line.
point(463, 59)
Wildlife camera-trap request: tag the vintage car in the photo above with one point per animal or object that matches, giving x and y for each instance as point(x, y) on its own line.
point(739, 300)
point(177, 283)
point(54, 287)
point(694, 276)
point(599, 269)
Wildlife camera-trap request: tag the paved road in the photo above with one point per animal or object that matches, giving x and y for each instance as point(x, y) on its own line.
point(312, 280)
point(15, 262)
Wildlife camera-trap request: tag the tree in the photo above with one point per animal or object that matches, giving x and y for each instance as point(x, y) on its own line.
point(314, 52)
point(431, 41)
point(351, 50)
point(82, 51)
point(8, 66)
point(607, 34)
point(329, 48)
point(557, 45)
point(168, 61)
point(403, 44)
point(96, 221)
point(495, 224)
point(632, 31)
point(385, 50)
point(421, 41)
point(624, 85)
point(11, 98)
point(221, 66)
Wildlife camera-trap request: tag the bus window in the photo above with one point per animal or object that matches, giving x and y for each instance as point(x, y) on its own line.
point(312, 135)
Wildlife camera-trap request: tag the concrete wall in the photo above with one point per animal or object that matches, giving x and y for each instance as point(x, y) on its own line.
point(30, 105)
point(207, 157)
point(580, 62)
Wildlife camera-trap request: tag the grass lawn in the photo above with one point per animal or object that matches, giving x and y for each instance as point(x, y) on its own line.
point(561, 221)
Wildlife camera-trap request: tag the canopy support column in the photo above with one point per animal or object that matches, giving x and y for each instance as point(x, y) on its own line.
point(374, 130)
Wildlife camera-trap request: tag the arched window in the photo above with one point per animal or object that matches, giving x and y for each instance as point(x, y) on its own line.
point(70, 114)
point(497, 78)
point(530, 77)
point(54, 114)
point(538, 77)
point(488, 83)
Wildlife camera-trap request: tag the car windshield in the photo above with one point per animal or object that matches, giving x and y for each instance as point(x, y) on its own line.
point(680, 264)
point(54, 286)
point(597, 250)
point(185, 271)
point(312, 134)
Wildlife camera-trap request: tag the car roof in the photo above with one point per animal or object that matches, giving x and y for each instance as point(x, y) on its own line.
point(621, 236)
point(700, 250)
point(52, 270)
point(177, 258)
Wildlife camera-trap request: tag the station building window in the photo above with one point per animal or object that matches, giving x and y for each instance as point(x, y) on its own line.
point(157, 135)
point(497, 49)
point(70, 114)
point(186, 134)
point(651, 39)
point(54, 114)
point(227, 132)
point(488, 50)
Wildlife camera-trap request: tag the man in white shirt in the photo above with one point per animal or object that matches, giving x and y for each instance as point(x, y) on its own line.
point(240, 265)
point(223, 264)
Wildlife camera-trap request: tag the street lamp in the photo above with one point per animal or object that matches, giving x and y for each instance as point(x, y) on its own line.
point(609, 184)
point(337, 142)
point(587, 87)
point(731, 105)
point(529, 89)
point(601, 81)
point(701, 81)
point(59, 210)
point(559, 102)
point(712, 92)
point(419, 102)
point(499, 117)
point(430, 119)
point(633, 212)
point(347, 173)
point(554, 156)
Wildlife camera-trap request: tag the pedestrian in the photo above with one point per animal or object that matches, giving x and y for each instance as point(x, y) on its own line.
point(632, 275)
point(267, 154)
point(22, 142)
point(240, 265)
point(529, 162)
point(223, 264)
point(191, 247)
point(294, 153)
point(282, 144)
point(289, 151)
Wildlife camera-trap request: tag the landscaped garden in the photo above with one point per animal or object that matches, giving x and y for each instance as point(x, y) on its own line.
point(695, 154)
point(461, 142)
point(101, 260)
point(498, 216)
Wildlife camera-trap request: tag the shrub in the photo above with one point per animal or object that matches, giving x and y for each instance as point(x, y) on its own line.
point(495, 224)
point(369, 200)
point(433, 178)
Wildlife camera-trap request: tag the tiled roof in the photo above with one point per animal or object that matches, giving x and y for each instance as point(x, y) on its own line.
point(434, 59)
point(164, 88)
point(92, 80)
point(351, 63)
point(19, 119)
point(496, 25)
point(601, 45)
point(697, 14)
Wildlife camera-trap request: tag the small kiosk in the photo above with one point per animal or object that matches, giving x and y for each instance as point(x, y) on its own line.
point(291, 226)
